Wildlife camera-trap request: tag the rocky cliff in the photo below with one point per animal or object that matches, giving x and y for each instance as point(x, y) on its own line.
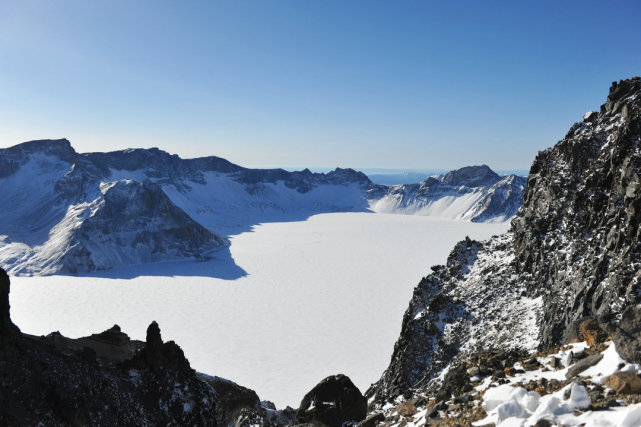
point(572, 251)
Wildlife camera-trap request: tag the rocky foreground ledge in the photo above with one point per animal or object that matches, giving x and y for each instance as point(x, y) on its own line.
point(593, 380)
point(110, 379)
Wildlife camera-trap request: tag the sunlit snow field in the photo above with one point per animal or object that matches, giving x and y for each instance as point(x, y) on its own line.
point(320, 297)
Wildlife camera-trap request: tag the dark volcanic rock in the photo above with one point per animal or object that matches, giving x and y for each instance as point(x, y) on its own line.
point(471, 176)
point(45, 381)
point(454, 380)
point(333, 401)
point(583, 364)
point(578, 230)
point(8, 330)
point(113, 336)
point(573, 252)
point(233, 398)
point(627, 334)
point(111, 346)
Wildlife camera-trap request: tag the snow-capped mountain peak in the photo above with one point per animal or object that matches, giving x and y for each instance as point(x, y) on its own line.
point(71, 212)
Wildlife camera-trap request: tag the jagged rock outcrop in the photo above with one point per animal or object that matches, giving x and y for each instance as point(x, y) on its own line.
point(110, 379)
point(51, 381)
point(578, 231)
point(233, 398)
point(573, 251)
point(332, 402)
point(627, 334)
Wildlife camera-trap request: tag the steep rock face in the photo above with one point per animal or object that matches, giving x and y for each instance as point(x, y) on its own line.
point(578, 231)
point(572, 251)
point(472, 303)
point(135, 221)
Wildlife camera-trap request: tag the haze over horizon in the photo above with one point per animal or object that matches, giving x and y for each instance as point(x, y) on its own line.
point(411, 85)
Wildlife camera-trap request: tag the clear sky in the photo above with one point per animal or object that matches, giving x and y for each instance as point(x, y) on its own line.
point(388, 84)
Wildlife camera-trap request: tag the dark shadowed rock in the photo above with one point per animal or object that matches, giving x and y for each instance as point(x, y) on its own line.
point(573, 252)
point(372, 420)
point(454, 380)
point(111, 346)
point(159, 356)
point(583, 364)
point(55, 380)
point(233, 398)
point(7, 329)
point(333, 401)
point(113, 336)
point(627, 334)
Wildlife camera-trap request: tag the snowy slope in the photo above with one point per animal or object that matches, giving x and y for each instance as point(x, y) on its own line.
point(540, 394)
point(67, 212)
point(473, 193)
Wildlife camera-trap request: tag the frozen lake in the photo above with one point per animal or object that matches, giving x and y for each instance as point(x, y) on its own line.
point(315, 298)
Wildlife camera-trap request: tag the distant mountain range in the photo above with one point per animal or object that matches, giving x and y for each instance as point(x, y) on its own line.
point(67, 212)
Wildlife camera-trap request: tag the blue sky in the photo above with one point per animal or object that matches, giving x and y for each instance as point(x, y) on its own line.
point(364, 84)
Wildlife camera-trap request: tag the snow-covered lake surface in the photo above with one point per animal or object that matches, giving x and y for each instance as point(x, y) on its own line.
point(298, 302)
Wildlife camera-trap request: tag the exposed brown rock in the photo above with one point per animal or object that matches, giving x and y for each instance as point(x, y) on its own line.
point(624, 383)
point(592, 332)
point(406, 409)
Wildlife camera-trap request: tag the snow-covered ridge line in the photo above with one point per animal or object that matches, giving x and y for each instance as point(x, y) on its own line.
point(67, 212)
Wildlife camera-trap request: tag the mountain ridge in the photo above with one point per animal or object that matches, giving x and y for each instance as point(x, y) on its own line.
point(49, 190)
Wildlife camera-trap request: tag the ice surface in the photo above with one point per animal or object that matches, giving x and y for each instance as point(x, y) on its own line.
point(314, 298)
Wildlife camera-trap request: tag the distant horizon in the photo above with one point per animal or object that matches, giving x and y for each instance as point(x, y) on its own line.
point(321, 169)
point(371, 83)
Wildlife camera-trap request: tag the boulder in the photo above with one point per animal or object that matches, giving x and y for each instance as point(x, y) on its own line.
point(627, 334)
point(624, 382)
point(583, 364)
point(333, 401)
